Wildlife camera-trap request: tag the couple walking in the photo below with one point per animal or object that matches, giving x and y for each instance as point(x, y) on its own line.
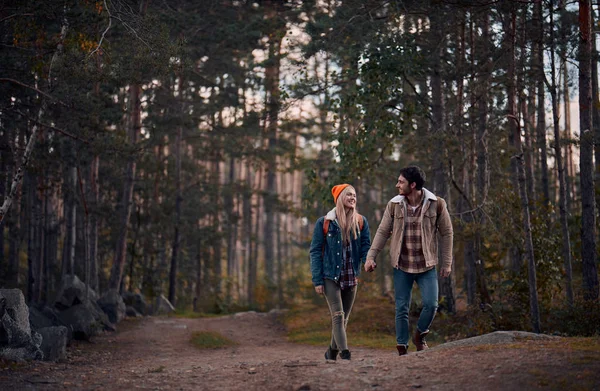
point(341, 243)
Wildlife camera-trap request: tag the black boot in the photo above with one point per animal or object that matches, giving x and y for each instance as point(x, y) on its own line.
point(345, 355)
point(331, 354)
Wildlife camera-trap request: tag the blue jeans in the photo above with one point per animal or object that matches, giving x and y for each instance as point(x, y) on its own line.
point(403, 283)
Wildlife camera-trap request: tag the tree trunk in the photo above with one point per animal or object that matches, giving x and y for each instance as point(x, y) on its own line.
point(520, 173)
point(230, 224)
point(595, 106)
point(272, 72)
point(470, 281)
point(568, 147)
point(31, 239)
point(120, 256)
point(198, 293)
point(440, 137)
point(566, 241)
point(253, 264)
point(247, 208)
point(586, 159)
point(93, 228)
point(4, 156)
point(541, 101)
point(178, 200)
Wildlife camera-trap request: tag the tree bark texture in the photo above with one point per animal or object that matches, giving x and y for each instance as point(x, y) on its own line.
point(116, 271)
point(541, 101)
point(564, 223)
point(588, 218)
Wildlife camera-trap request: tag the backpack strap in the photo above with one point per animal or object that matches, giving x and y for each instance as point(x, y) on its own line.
point(325, 227)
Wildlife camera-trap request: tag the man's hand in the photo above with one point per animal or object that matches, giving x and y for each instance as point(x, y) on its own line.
point(445, 272)
point(370, 265)
point(319, 289)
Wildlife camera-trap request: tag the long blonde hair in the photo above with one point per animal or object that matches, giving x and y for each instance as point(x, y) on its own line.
point(348, 220)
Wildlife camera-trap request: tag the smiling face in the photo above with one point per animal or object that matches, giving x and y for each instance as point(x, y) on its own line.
point(349, 198)
point(404, 188)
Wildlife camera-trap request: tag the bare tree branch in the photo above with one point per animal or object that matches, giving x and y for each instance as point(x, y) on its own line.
point(8, 80)
point(105, 31)
point(58, 130)
point(13, 16)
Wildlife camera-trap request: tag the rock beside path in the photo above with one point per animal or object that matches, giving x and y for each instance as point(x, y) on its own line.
point(497, 337)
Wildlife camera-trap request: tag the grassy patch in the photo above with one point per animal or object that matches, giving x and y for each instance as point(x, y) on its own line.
point(210, 340)
point(371, 324)
point(190, 314)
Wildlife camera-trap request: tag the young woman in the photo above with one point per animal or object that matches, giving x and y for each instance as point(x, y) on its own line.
point(339, 245)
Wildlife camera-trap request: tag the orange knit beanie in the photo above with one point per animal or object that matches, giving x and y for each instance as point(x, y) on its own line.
point(337, 189)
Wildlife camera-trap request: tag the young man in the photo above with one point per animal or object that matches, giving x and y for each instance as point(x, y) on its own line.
point(413, 219)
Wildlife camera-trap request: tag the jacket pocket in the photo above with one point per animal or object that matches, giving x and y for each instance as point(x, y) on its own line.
point(430, 219)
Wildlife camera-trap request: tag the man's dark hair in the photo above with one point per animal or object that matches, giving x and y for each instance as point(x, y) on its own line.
point(414, 174)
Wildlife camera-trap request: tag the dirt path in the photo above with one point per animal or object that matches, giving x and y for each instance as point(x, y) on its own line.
point(155, 354)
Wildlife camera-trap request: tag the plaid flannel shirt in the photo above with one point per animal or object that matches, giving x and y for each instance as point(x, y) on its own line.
point(347, 278)
point(412, 259)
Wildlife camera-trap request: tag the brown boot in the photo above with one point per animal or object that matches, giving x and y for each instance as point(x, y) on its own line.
point(419, 340)
point(401, 350)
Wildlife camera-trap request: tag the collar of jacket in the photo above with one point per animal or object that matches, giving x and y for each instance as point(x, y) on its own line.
point(331, 215)
point(400, 198)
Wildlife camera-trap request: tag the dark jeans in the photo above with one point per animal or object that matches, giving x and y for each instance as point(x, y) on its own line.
point(403, 284)
point(340, 303)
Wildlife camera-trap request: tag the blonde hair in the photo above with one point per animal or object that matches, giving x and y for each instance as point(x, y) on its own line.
point(348, 220)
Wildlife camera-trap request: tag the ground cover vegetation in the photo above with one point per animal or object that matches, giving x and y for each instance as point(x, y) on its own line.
point(186, 149)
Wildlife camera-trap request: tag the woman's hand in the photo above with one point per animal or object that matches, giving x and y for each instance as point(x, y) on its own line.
point(319, 289)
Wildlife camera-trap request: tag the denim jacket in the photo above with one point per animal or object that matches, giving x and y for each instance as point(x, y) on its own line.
point(326, 251)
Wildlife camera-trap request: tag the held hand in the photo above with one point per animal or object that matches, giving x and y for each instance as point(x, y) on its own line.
point(445, 272)
point(319, 289)
point(370, 265)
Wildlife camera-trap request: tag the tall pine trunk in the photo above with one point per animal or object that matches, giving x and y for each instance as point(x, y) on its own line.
point(178, 201)
point(514, 128)
point(134, 126)
point(447, 289)
point(272, 116)
point(120, 255)
point(586, 159)
point(564, 223)
point(541, 100)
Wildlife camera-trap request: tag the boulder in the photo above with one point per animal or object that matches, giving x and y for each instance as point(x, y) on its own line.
point(17, 341)
point(137, 301)
point(38, 320)
point(21, 353)
point(72, 291)
point(113, 305)
point(163, 306)
point(131, 312)
point(81, 320)
point(101, 316)
point(15, 335)
point(54, 342)
point(14, 305)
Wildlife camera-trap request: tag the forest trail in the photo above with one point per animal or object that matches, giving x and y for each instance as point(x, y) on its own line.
point(155, 353)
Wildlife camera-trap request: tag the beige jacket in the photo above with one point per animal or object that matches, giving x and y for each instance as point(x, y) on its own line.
point(392, 224)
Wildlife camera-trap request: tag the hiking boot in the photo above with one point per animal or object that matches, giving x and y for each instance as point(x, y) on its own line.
point(401, 350)
point(419, 340)
point(331, 354)
point(345, 354)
